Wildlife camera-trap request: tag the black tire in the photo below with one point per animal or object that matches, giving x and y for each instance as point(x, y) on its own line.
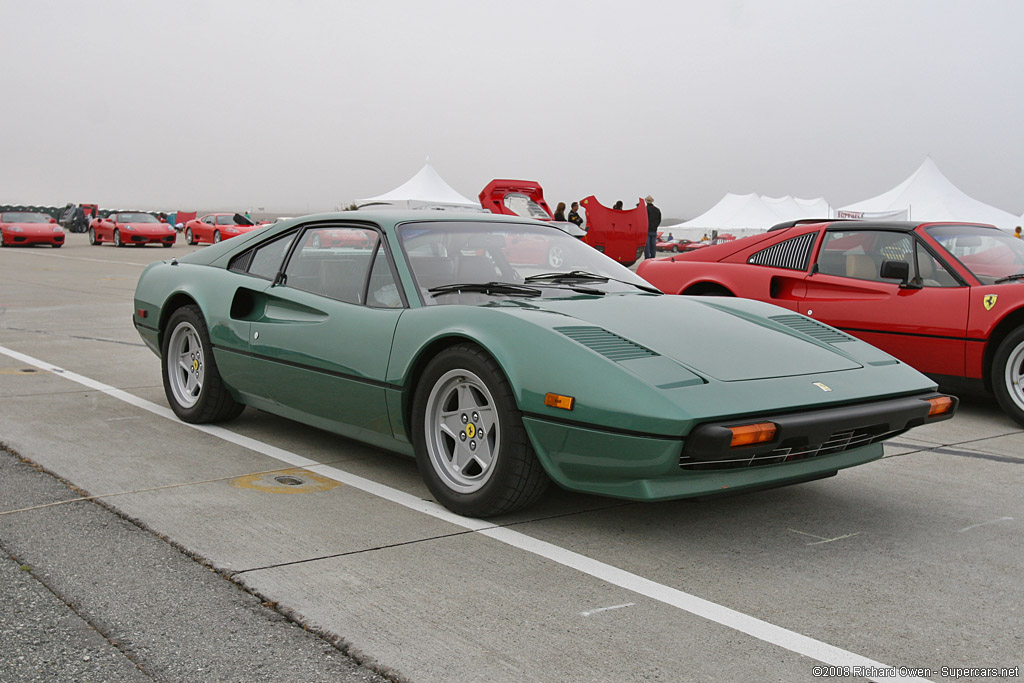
point(1008, 375)
point(216, 236)
point(117, 239)
point(675, 248)
point(58, 245)
point(92, 237)
point(190, 237)
point(167, 245)
point(192, 383)
point(463, 385)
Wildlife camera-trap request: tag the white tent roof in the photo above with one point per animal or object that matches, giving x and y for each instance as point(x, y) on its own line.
point(426, 189)
point(755, 212)
point(927, 195)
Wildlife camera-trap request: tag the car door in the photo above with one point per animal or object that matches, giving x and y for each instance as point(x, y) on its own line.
point(321, 343)
point(923, 322)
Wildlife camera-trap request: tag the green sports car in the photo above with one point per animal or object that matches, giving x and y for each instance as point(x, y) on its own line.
point(449, 337)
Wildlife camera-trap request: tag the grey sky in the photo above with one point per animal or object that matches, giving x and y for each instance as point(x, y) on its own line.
point(302, 106)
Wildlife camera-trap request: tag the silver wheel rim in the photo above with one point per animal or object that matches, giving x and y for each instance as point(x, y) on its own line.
point(185, 367)
point(188, 235)
point(92, 236)
point(1013, 375)
point(556, 257)
point(216, 237)
point(117, 238)
point(462, 431)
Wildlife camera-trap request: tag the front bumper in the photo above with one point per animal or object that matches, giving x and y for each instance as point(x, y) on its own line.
point(650, 467)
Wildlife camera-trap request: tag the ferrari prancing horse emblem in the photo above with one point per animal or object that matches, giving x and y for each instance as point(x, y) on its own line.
point(990, 301)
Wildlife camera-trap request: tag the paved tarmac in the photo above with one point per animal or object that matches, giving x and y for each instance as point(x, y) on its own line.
point(912, 562)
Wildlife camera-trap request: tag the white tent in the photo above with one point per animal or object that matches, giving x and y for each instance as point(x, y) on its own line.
point(425, 190)
point(747, 214)
point(927, 195)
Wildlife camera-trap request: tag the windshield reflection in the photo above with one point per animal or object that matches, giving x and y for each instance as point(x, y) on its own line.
point(988, 252)
point(441, 254)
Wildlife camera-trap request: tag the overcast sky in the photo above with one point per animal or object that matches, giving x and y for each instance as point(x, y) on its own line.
point(302, 106)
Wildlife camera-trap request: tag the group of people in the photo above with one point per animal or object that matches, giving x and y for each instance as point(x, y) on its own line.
point(653, 221)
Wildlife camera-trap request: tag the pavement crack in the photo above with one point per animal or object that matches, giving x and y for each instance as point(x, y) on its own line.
point(51, 333)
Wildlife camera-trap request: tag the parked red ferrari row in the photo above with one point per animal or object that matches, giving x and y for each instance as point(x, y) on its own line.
point(214, 227)
point(947, 298)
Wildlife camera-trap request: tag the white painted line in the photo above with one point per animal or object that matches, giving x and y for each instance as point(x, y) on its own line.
point(991, 521)
point(752, 626)
point(606, 609)
point(83, 258)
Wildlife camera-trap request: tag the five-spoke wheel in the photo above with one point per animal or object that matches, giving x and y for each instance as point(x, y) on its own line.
point(1008, 375)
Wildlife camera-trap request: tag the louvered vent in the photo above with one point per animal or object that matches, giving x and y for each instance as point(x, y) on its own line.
point(609, 345)
point(813, 328)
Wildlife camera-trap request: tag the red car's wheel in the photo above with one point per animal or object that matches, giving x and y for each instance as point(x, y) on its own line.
point(190, 237)
point(92, 237)
point(471, 447)
point(216, 236)
point(117, 239)
point(1008, 375)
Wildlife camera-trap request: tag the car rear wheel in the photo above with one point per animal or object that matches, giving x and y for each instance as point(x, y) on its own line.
point(117, 239)
point(1008, 375)
point(190, 237)
point(216, 236)
point(192, 383)
point(471, 447)
point(92, 237)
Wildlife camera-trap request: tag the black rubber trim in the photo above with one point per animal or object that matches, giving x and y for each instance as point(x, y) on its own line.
point(854, 330)
point(303, 366)
point(143, 326)
point(600, 428)
point(712, 440)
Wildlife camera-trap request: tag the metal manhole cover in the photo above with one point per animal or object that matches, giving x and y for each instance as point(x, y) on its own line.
point(295, 480)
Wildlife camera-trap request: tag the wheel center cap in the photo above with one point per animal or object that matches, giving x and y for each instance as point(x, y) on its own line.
point(471, 430)
point(195, 365)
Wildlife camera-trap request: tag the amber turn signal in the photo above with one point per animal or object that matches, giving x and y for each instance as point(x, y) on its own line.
point(748, 435)
point(559, 401)
point(939, 405)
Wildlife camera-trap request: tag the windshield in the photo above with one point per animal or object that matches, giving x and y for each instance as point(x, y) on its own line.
point(225, 219)
point(136, 218)
point(989, 253)
point(464, 253)
point(522, 205)
point(24, 217)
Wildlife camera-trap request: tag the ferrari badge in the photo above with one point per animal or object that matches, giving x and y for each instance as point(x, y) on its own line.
point(990, 301)
point(823, 386)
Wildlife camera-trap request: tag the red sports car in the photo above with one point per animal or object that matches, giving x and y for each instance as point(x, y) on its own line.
point(947, 298)
point(214, 227)
point(131, 227)
point(29, 227)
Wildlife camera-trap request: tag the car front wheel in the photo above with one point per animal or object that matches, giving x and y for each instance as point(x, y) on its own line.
point(471, 447)
point(216, 236)
point(192, 384)
point(190, 237)
point(117, 239)
point(92, 237)
point(1008, 375)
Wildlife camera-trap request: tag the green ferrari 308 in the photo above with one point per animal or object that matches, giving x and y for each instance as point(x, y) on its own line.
point(450, 337)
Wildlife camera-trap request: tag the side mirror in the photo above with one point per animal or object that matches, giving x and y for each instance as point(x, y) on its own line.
point(897, 270)
point(53, 220)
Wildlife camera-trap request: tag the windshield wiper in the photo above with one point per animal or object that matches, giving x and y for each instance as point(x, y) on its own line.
point(589, 277)
point(1008, 278)
point(508, 288)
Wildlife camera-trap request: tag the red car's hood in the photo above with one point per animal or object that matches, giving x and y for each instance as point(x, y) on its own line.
point(33, 228)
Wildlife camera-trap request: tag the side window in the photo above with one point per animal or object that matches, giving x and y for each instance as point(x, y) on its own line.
point(859, 254)
point(382, 291)
point(930, 272)
point(333, 262)
point(793, 254)
point(208, 220)
point(264, 261)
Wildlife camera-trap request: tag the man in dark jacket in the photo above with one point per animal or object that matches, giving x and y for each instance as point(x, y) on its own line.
point(653, 221)
point(574, 214)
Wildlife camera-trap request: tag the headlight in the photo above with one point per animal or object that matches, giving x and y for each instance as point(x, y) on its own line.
point(231, 231)
point(17, 228)
point(129, 228)
point(170, 228)
point(57, 229)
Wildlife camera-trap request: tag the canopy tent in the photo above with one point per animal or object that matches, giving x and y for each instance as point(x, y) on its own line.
point(927, 195)
point(425, 190)
point(744, 214)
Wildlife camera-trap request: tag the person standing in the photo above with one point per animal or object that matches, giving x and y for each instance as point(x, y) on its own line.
point(560, 212)
point(1016, 233)
point(653, 221)
point(574, 214)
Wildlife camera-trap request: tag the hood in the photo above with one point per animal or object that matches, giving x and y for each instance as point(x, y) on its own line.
point(34, 228)
point(724, 339)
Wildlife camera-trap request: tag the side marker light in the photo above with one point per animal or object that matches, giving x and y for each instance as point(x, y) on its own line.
point(142, 312)
point(559, 401)
point(939, 405)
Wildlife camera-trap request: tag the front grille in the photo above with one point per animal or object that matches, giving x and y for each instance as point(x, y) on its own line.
point(794, 449)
